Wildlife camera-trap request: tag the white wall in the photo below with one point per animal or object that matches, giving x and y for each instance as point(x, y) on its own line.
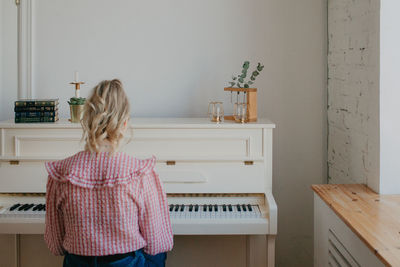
point(8, 46)
point(175, 58)
point(1, 48)
point(296, 100)
point(389, 98)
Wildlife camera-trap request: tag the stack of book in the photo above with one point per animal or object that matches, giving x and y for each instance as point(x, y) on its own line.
point(36, 110)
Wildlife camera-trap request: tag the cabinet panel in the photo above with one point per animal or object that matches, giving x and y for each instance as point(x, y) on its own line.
point(335, 244)
point(163, 143)
point(184, 177)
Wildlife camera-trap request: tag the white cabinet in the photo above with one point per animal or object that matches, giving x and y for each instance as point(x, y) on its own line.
point(335, 244)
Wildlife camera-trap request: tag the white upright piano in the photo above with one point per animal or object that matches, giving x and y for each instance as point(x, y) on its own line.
point(218, 176)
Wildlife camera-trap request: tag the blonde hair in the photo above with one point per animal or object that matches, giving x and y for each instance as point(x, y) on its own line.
point(104, 116)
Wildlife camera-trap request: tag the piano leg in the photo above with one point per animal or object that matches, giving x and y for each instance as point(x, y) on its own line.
point(271, 250)
point(17, 250)
point(255, 251)
point(260, 250)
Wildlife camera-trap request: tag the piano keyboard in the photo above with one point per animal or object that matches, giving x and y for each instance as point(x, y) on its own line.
point(189, 215)
point(24, 210)
point(178, 211)
point(225, 211)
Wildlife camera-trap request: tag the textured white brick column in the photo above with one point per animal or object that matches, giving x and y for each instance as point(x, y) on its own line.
point(353, 87)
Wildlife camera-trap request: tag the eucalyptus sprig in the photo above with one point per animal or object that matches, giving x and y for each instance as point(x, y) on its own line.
point(77, 101)
point(239, 80)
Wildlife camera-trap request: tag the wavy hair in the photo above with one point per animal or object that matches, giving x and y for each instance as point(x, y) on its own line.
point(104, 116)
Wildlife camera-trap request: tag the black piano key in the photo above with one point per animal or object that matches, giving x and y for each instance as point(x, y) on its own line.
point(196, 208)
point(36, 207)
point(176, 208)
point(182, 208)
point(224, 207)
point(204, 207)
point(43, 207)
point(190, 208)
point(15, 206)
point(22, 207)
point(171, 208)
point(238, 207)
point(244, 207)
point(209, 207)
point(215, 207)
point(249, 207)
point(29, 207)
point(39, 207)
point(230, 207)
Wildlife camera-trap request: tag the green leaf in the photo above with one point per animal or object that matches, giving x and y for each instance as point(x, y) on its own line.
point(77, 101)
point(250, 82)
point(241, 80)
point(260, 67)
point(243, 76)
point(252, 78)
point(255, 73)
point(232, 84)
point(238, 85)
point(246, 65)
point(246, 86)
point(233, 77)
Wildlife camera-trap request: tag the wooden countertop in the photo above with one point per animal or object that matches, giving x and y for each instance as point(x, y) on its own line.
point(374, 218)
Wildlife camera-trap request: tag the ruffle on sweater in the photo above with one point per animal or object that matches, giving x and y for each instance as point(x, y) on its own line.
point(87, 170)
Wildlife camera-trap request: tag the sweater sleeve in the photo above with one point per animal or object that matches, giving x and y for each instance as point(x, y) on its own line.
point(54, 231)
point(154, 220)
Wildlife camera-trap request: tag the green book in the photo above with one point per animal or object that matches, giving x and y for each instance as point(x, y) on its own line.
point(35, 119)
point(33, 109)
point(31, 114)
point(36, 102)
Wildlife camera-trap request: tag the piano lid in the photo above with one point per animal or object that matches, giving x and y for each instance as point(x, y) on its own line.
point(150, 123)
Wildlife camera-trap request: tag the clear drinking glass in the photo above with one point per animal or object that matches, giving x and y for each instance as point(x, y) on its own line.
point(216, 111)
point(240, 112)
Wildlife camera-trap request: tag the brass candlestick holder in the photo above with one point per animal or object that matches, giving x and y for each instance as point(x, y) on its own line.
point(76, 103)
point(77, 87)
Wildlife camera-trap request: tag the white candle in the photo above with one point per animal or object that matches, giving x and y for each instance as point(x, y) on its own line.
point(243, 112)
point(217, 112)
point(76, 76)
point(77, 93)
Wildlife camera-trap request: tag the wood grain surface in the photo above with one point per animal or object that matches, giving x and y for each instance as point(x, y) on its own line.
point(374, 218)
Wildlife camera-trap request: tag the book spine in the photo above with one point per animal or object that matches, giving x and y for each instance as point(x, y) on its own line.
point(33, 109)
point(46, 103)
point(35, 103)
point(35, 119)
point(36, 114)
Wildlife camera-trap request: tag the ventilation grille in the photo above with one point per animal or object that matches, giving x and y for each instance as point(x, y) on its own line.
point(338, 255)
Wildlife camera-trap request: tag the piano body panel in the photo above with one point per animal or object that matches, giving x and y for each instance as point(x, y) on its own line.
point(179, 227)
point(37, 143)
point(26, 177)
point(272, 212)
point(203, 158)
point(183, 177)
point(164, 143)
point(220, 227)
point(16, 226)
